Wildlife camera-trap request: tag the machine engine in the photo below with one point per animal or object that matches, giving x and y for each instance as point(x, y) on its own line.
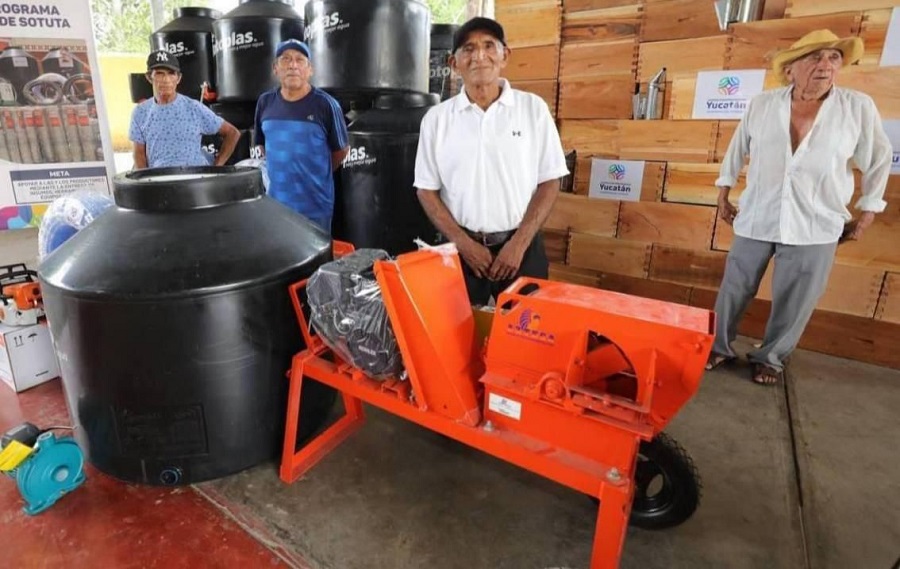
point(348, 312)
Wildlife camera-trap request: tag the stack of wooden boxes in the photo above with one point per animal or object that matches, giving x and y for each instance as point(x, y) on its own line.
point(670, 244)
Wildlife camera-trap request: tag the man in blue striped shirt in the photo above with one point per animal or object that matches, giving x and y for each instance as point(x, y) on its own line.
point(301, 131)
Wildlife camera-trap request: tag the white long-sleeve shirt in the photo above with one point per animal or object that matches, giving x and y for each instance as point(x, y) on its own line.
point(802, 198)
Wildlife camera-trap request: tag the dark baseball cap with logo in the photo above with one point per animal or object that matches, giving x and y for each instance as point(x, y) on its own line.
point(292, 44)
point(478, 25)
point(162, 58)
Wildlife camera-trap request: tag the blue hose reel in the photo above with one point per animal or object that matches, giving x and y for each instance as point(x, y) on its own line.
point(44, 466)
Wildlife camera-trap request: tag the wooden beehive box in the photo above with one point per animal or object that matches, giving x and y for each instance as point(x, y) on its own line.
point(602, 25)
point(530, 24)
point(678, 19)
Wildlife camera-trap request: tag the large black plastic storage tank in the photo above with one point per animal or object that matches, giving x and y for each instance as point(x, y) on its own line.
point(244, 47)
point(364, 47)
point(440, 77)
point(377, 204)
point(18, 67)
point(61, 60)
point(189, 38)
point(173, 325)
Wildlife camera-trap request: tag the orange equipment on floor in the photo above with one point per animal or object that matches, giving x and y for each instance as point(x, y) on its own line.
point(571, 381)
point(21, 303)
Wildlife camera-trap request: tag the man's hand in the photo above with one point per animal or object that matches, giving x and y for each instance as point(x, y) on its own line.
point(507, 263)
point(476, 255)
point(854, 230)
point(727, 211)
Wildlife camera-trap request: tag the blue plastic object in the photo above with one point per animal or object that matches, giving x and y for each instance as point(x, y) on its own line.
point(55, 468)
point(68, 215)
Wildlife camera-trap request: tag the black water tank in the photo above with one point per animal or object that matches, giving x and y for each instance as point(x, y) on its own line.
point(240, 114)
point(213, 142)
point(377, 205)
point(189, 38)
point(361, 47)
point(173, 325)
point(61, 60)
point(244, 47)
point(18, 67)
point(141, 89)
point(440, 80)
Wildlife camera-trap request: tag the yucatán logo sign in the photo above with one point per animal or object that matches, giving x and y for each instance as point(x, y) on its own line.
point(726, 94)
point(616, 179)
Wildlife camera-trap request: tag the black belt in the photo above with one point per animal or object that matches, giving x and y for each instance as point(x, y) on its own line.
point(490, 239)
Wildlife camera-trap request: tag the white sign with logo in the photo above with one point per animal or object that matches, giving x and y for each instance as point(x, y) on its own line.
point(616, 179)
point(724, 95)
point(890, 55)
point(892, 128)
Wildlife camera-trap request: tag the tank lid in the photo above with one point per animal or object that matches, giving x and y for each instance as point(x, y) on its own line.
point(164, 189)
point(442, 36)
point(387, 101)
point(264, 9)
point(15, 51)
point(197, 12)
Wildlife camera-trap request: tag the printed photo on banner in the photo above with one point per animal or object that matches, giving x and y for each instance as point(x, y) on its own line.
point(616, 179)
point(724, 95)
point(54, 139)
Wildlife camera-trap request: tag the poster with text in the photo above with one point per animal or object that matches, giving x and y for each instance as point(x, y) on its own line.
point(54, 138)
point(892, 128)
point(616, 179)
point(724, 95)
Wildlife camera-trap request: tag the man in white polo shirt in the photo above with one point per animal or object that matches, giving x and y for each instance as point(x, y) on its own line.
point(489, 165)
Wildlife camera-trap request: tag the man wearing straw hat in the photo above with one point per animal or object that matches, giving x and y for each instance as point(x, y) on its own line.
point(803, 140)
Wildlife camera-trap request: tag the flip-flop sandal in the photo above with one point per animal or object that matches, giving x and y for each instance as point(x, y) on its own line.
point(717, 360)
point(766, 375)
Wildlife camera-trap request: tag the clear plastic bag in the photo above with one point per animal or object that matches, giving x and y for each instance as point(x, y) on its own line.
point(348, 312)
point(68, 215)
point(259, 163)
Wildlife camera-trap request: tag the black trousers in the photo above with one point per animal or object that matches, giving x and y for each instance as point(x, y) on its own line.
point(534, 264)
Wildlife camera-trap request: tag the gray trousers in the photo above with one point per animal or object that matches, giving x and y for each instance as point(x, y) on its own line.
point(799, 279)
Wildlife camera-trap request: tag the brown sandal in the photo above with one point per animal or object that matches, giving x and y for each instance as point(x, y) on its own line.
point(766, 375)
point(716, 360)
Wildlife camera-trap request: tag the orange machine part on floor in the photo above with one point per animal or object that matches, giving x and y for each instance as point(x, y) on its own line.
point(570, 382)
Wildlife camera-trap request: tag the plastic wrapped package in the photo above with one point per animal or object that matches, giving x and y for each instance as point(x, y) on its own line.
point(68, 215)
point(259, 163)
point(348, 312)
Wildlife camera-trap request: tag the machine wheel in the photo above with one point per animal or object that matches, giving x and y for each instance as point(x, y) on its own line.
point(667, 485)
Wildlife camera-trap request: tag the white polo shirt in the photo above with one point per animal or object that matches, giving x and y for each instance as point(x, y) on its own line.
point(488, 164)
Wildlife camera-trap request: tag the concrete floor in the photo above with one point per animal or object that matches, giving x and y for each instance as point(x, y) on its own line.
point(397, 496)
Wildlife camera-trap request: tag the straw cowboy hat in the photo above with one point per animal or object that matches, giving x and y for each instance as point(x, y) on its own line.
point(851, 48)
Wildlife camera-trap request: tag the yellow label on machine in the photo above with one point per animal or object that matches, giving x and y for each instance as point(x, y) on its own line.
point(13, 455)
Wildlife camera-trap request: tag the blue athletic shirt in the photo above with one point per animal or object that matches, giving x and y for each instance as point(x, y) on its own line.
point(299, 137)
point(172, 132)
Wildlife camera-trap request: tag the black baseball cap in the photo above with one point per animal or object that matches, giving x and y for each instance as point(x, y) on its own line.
point(479, 24)
point(162, 58)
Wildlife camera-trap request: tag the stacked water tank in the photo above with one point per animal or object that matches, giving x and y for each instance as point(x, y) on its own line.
point(373, 57)
point(232, 54)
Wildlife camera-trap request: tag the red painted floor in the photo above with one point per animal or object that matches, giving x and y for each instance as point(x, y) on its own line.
point(111, 524)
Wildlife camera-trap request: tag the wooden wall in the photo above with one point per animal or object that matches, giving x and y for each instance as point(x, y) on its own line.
point(671, 245)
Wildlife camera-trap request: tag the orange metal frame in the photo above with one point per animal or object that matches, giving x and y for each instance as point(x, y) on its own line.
point(571, 381)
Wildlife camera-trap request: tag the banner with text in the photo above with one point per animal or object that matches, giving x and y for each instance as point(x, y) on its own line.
point(724, 95)
point(54, 137)
point(616, 179)
point(892, 128)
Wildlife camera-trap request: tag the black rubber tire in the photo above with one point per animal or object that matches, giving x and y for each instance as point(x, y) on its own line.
point(667, 485)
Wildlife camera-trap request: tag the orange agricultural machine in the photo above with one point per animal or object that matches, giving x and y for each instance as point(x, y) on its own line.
point(573, 383)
